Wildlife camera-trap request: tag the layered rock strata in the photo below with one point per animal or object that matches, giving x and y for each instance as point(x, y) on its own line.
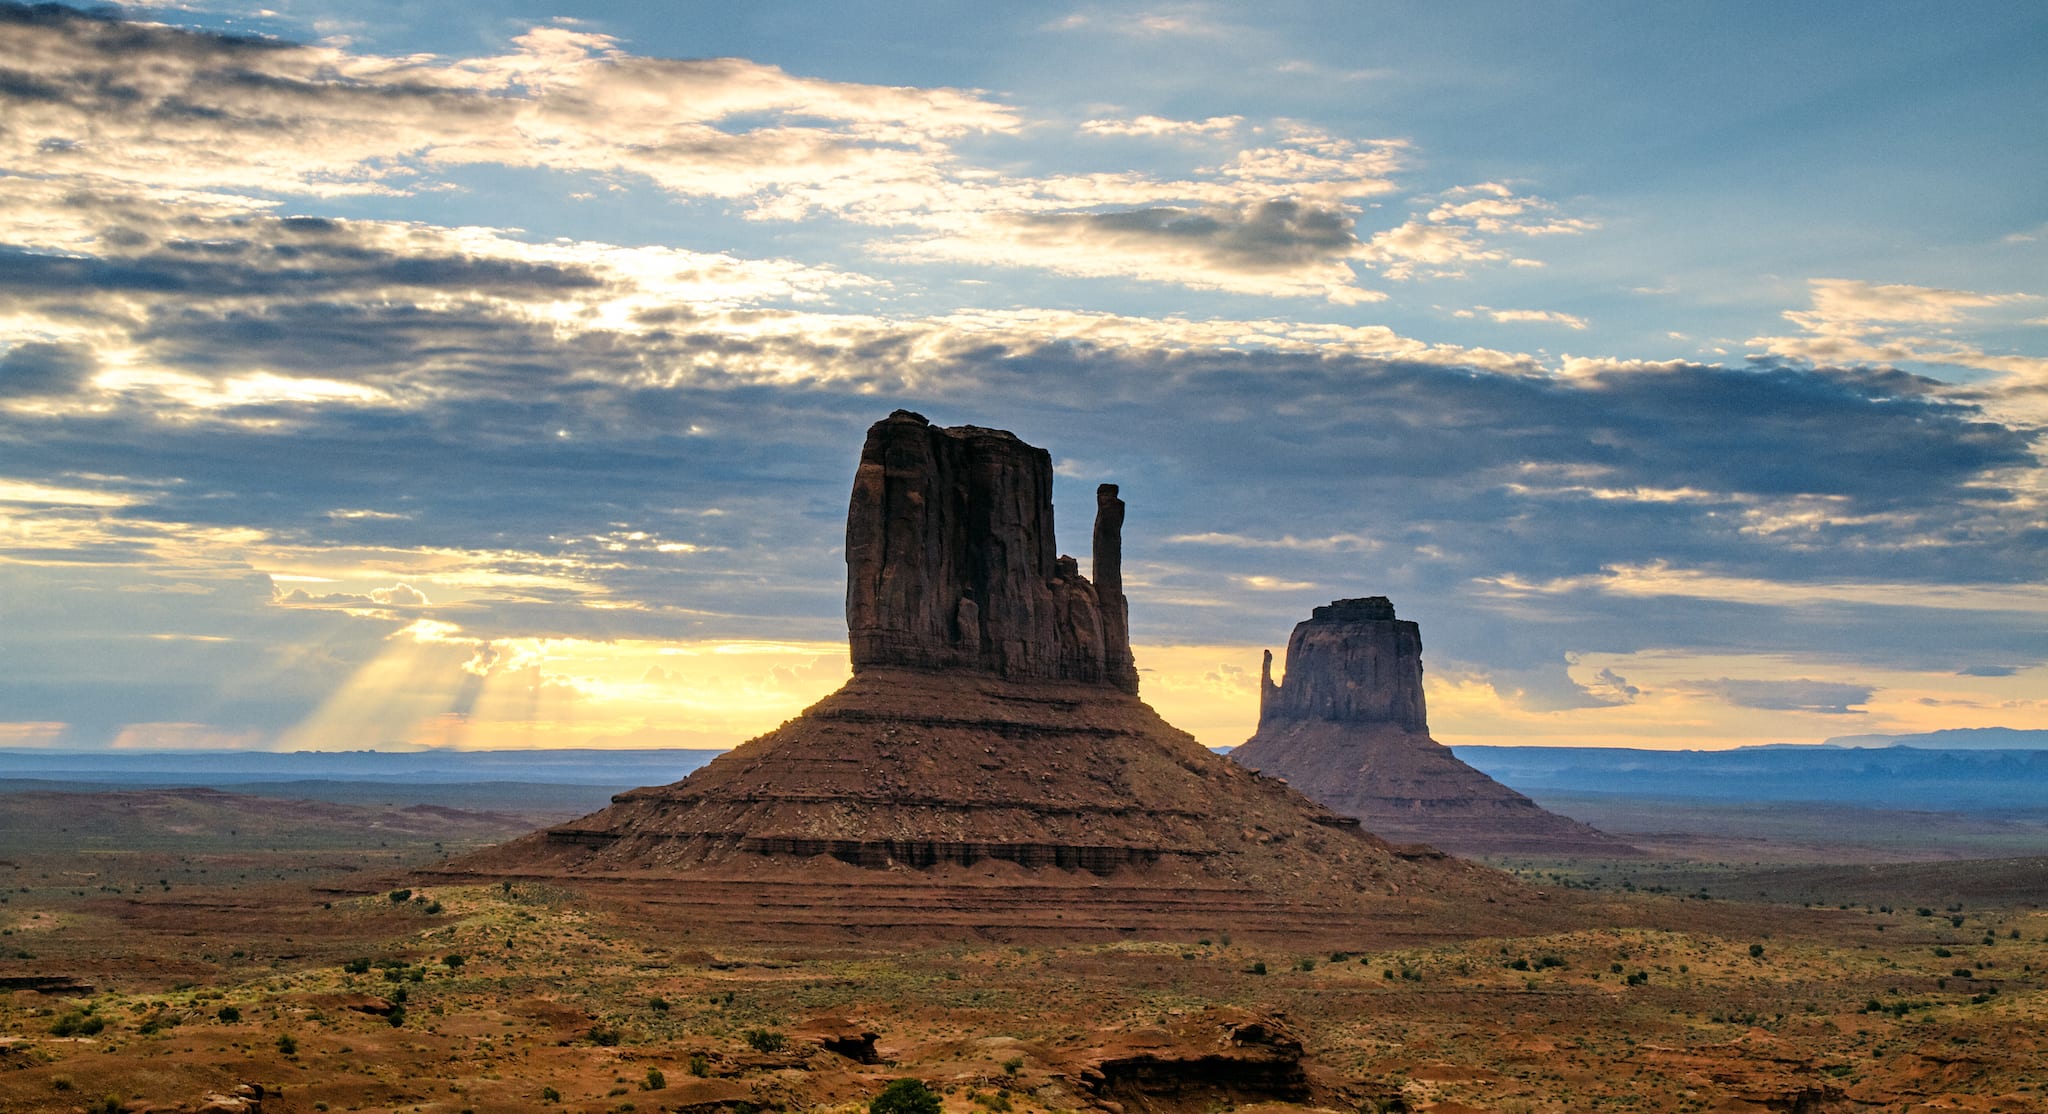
point(989, 770)
point(1348, 727)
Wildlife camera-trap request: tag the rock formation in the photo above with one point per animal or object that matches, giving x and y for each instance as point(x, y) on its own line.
point(989, 769)
point(1347, 727)
point(949, 561)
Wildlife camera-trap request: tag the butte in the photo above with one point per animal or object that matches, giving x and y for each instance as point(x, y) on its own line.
point(989, 771)
point(1347, 727)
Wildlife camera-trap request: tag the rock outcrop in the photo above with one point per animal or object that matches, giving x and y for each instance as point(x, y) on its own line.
point(950, 561)
point(1348, 727)
point(989, 770)
point(1351, 662)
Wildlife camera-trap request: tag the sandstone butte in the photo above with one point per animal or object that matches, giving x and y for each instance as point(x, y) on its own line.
point(989, 770)
point(1347, 726)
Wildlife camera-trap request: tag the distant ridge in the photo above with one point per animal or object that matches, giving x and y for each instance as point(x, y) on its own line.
point(1954, 738)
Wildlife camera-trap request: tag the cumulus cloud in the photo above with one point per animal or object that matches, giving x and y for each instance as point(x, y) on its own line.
point(104, 100)
point(1852, 321)
point(398, 595)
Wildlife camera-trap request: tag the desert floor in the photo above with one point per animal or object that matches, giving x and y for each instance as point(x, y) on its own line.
point(180, 950)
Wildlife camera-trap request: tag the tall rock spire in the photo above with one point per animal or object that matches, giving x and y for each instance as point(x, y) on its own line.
point(950, 561)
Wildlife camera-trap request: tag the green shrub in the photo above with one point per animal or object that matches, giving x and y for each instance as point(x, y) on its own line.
point(547, 1094)
point(77, 1023)
point(700, 1065)
point(357, 966)
point(287, 1044)
point(655, 1080)
point(766, 1040)
point(400, 897)
point(905, 1096)
point(452, 960)
point(229, 1015)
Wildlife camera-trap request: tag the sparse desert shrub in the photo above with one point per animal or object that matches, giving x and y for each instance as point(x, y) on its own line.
point(998, 1102)
point(400, 897)
point(357, 966)
point(1942, 953)
point(658, 1004)
point(655, 1080)
point(1013, 1065)
point(454, 959)
point(548, 1094)
point(1305, 964)
point(1518, 964)
point(1258, 967)
point(607, 1036)
point(1638, 978)
point(60, 1083)
point(287, 1044)
point(765, 1040)
point(434, 907)
point(229, 1015)
point(77, 1023)
point(700, 1065)
point(397, 1016)
point(905, 1096)
point(111, 1104)
point(1756, 951)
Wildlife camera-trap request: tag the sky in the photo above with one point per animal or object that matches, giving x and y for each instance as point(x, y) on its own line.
point(493, 374)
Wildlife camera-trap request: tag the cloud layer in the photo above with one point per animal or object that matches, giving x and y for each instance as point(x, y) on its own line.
point(264, 426)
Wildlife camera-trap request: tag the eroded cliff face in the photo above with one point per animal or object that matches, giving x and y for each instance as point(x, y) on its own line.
point(1351, 661)
point(950, 561)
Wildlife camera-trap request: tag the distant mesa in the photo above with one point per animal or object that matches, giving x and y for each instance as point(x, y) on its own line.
point(989, 769)
point(1348, 727)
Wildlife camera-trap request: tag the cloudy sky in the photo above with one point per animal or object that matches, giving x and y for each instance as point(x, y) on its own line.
point(492, 374)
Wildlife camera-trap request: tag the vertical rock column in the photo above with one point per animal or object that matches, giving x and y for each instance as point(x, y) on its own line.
point(1108, 548)
point(951, 564)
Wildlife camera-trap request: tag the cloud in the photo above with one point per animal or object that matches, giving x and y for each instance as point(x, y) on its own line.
point(1510, 316)
point(1161, 127)
point(398, 595)
point(137, 101)
point(119, 105)
point(1797, 695)
point(1855, 321)
point(1613, 688)
point(1988, 671)
point(34, 369)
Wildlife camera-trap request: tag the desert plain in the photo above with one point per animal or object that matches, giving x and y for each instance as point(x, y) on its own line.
point(187, 950)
